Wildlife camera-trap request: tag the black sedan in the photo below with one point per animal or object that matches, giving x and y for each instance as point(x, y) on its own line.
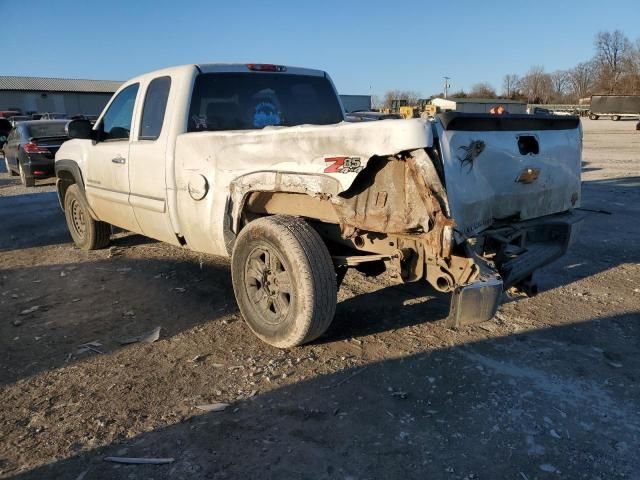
point(31, 148)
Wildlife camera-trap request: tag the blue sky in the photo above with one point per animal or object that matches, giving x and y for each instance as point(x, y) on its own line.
point(366, 46)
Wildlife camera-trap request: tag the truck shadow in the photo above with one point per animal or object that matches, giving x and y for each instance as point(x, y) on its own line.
point(49, 311)
point(389, 308)
point(561, 400)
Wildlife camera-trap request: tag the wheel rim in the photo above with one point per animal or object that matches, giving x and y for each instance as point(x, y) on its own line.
point(77, 218)
point(268, 285)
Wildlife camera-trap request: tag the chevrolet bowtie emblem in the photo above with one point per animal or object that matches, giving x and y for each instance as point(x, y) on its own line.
point(528, 175)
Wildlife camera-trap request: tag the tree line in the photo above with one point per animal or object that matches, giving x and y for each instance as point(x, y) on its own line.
point(613, 69)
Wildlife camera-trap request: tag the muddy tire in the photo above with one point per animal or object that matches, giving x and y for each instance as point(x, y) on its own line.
point(27, 180)
point(284, 280)
point(87, 233)
point(9, 171)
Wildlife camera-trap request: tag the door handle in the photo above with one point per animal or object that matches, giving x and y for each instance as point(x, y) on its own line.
point(118, 159)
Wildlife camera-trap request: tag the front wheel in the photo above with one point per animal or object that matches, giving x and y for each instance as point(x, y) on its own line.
point(87, 233)
point(593, 117)
point(284, 280)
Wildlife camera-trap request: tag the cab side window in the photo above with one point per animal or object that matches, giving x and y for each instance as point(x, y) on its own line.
point(116, 122)
point(155, 104)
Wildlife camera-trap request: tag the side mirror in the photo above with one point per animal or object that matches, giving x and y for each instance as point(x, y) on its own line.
point(80, 129)
point(5, 125)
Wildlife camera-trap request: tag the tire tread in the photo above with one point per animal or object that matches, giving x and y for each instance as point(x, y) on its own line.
point(301, 241)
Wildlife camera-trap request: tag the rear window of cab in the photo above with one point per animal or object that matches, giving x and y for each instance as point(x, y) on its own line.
point(250, 101)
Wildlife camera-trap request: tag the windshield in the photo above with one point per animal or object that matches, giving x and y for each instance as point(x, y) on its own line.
point(47, 130)
point(249, 101)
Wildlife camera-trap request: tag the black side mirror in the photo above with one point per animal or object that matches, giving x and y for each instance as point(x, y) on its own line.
point(5, 125)
point(80, 129)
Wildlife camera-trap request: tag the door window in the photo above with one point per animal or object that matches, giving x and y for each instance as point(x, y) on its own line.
point(116, 122)
point(155, 104)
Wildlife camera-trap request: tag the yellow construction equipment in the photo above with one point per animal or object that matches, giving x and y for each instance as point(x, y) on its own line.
point(423, 109)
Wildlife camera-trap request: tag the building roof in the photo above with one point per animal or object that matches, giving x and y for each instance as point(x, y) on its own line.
point(480, 100)
point(44, 84)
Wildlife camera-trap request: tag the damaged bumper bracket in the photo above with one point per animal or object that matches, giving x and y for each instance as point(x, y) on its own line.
point(476, 302)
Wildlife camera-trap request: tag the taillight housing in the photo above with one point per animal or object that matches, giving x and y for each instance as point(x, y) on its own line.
point(266, 67)
point(33, 147)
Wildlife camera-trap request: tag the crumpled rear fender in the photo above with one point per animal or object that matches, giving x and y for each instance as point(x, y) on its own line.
point(399, 194)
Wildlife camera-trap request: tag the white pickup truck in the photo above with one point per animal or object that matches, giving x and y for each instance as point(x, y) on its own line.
point(257, 163)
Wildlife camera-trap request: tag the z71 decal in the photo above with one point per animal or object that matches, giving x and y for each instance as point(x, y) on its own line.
point(343, 165)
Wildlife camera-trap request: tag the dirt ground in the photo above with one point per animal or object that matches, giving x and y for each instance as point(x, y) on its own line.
point(549, 389)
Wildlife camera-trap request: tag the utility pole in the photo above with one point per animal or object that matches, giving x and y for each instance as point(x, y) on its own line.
point(446, 86)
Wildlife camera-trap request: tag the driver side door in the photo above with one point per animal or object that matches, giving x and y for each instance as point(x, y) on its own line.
point(107, 180)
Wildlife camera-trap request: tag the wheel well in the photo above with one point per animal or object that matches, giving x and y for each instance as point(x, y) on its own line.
point(65, 180)
point(290, 203)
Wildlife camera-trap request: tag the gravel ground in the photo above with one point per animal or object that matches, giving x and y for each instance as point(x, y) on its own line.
point(548, 389)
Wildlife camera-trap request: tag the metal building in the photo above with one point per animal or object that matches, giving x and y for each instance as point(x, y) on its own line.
point(478, 105)
point(55, 95)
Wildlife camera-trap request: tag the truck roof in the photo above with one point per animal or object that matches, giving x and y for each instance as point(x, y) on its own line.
point(225, 68)
point(245, 67)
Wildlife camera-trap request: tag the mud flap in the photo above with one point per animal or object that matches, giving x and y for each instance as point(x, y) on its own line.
point(476, 302)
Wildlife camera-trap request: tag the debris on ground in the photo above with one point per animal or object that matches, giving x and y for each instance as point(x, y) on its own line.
point(148, 337)
point(213, 407)
point(29, 310)
point(89, 347)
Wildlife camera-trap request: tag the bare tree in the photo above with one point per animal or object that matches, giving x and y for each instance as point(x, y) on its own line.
point(581, 78)
point(410, 96)
point(560, 84)
point(458, 94)
point(376, 102)
point(536, 85)
point(482, 90)
point(630, 79)
point(612, 49)
point(510, 85)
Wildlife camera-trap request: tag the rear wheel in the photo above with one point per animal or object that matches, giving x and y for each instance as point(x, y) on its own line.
point(86, 232)
point(9, 171)
point(284, 280)
point(27, 180)
point(615, 118)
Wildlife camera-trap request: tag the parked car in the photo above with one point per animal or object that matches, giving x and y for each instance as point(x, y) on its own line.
point(52, 116)
point(82, 116)
point(9, 113)
point(256, 162)
point(366, 116)
point(31, 147)
point(18, 118)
